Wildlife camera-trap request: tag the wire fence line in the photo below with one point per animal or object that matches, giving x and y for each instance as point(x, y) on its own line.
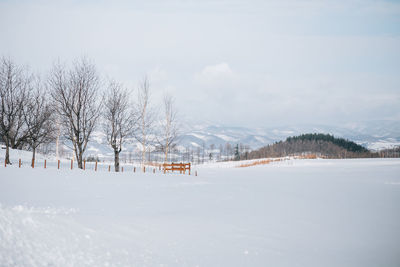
point(150, 167)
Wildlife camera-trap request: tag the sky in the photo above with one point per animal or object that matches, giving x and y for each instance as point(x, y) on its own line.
point(236, 63)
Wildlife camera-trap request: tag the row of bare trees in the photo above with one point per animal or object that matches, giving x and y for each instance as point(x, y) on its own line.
point(124, 118)
point(72, 102)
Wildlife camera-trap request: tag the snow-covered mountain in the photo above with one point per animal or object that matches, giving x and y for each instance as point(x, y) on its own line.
point(374, 135)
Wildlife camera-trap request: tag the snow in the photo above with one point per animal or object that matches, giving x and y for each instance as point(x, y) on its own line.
point(194, 144)
point(383, 144)
point(290, 213)
point(25, 156)
point(199, 136)
point(226, 138)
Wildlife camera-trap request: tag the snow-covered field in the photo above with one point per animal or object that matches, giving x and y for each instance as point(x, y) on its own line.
point(289, 213)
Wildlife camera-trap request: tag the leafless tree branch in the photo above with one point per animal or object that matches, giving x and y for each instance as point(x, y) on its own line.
point(76, 95)
point(119, 118)
point(38, 116)
point(14, 83)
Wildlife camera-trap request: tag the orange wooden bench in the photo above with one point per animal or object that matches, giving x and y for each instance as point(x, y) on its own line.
point(181, 167)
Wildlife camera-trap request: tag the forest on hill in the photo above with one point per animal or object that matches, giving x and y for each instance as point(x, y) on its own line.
point(322, 145)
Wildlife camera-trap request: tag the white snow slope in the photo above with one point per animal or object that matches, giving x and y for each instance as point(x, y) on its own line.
point(294, 213)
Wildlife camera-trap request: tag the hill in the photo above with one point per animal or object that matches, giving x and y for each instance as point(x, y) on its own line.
point(324, 145)
point(341, 142)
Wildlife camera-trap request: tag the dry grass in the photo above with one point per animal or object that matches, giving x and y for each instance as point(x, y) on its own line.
point(268, 161)
point(308, 156)
point(154, 164)
point(259, 162)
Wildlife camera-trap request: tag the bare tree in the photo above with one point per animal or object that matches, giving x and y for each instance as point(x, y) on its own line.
point(38, 116)
point(120, 119)
point(57, 134)
point(212, 148)
point(14, 83)
point(221, 152)
point(228, 151)
point(169, 127)
point(76, 95)
point(146, 118)
point(203, 151)
point(198, 150)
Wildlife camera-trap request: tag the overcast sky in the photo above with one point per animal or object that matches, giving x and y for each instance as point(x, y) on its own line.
point(238, 63)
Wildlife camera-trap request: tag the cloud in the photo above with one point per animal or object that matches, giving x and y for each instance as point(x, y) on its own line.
point(236, 62)
point(215, 73)
point(158, 75)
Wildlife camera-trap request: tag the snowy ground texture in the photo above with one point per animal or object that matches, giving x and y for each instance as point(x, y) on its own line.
point(292, 213)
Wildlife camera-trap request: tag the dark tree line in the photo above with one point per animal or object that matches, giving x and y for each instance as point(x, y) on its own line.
point(341, 142)
point(321, 144)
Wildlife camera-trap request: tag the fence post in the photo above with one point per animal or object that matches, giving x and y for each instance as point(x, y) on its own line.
point(195, 173)
point(5, 163)
point(84, 164)
point(134, 169)
point(144, 169)
point(72, 163)
point(33, 164)
point(109, 168)
point(189, 168)
point(154, 170)
point(122, 169)
point(45, 164)
point(19, 163)
point(95, 167)
point(58, 164)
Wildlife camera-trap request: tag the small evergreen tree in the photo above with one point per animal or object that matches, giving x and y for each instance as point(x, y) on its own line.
point(237, 154)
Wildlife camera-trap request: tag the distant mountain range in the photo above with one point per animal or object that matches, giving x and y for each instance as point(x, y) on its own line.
point(373, 135)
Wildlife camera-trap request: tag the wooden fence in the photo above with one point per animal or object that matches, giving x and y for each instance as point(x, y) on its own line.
point(165, 167)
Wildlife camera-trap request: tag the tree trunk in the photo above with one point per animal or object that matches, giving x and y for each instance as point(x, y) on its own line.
point(57, 153)
point(116, 160)
point(166, 152)
point(79, 156)
point(76, 152)
point(7, 159)
point(33, 156)
point(80, 160)
point(143, 154)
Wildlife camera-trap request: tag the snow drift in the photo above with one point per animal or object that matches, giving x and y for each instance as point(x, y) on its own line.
point(292, 213)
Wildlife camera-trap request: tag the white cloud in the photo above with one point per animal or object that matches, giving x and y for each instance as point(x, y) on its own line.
point(222, 69)
point(236, 62)
point(215, 73)
point(158, 75)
